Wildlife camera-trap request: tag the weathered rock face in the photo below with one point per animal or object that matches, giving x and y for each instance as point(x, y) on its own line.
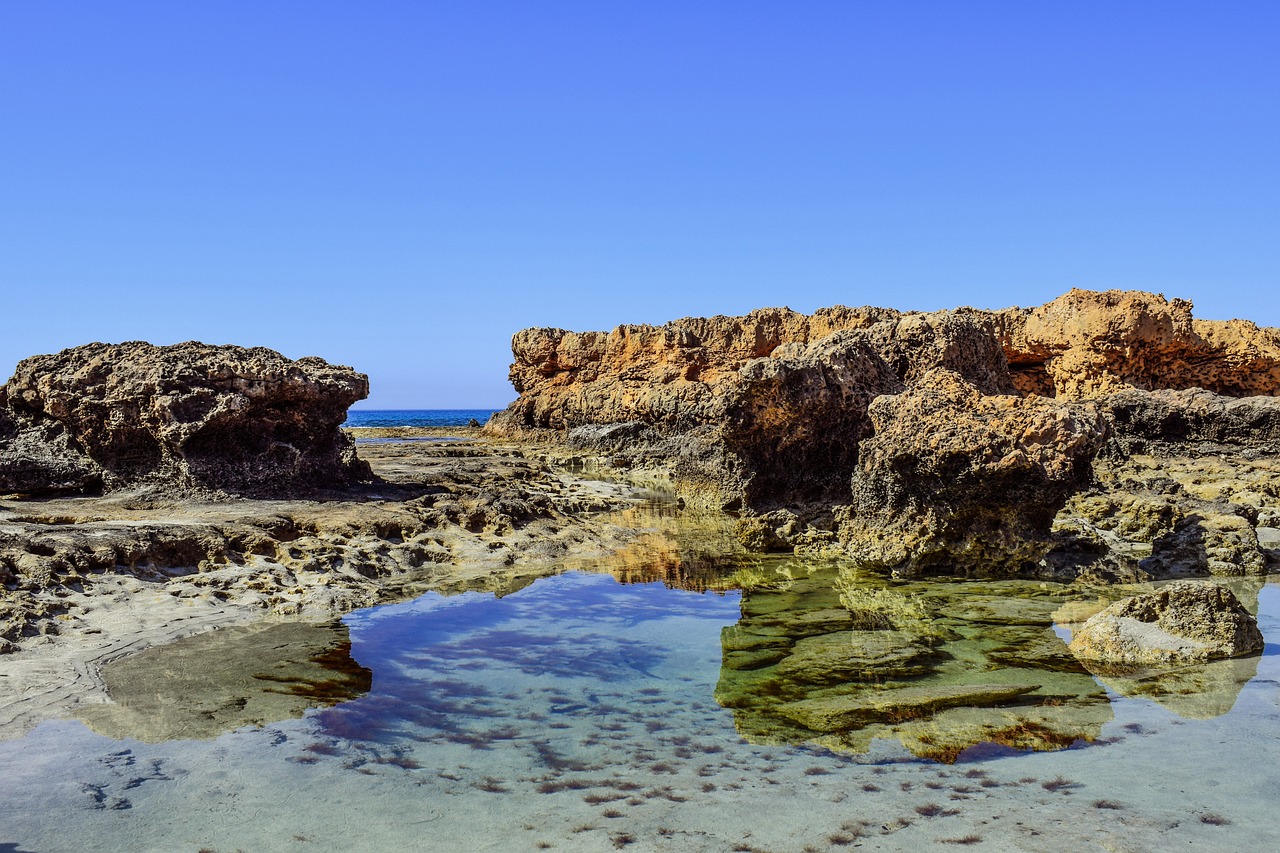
point(1193, 415)
point(662, 375)
point(775, 410)
point(745, 411)
point(184, 416)
point(38, 455)
point(792, 424)
point(955, 478)
point(1087, 344)
point(1184, 622)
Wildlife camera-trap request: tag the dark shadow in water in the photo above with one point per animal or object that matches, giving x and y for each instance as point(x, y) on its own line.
point(204, 685)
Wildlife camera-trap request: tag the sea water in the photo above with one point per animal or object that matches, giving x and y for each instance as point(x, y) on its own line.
point(416, 417)
point(582, 712)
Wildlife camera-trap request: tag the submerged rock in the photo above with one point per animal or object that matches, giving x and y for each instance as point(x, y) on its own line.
point(855, 656)
point(1183, 622)
point(188, 416)
point(202, 686)
point(976, 663)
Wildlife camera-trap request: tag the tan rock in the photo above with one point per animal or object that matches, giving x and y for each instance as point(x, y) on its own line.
point(1182, 622)
point(187, 416)
point(956, 478)
point(1088, 344)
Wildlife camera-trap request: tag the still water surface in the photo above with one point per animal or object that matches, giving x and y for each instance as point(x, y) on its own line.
point(738, 704)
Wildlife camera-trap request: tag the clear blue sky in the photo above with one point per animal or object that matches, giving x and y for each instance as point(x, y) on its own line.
point(399, 186)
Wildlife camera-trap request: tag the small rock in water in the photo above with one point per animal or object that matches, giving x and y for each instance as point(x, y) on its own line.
point(1183, 622)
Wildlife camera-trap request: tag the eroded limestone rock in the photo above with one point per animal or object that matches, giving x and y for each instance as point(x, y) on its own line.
point(1183, 622)
point(188, 416)
point(956, 478)
point(777, 411)
point(1086, 344)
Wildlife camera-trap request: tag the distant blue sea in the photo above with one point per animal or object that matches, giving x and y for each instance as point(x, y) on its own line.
point(416, 417)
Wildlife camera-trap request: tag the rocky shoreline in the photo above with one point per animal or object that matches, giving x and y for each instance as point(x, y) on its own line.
point(157, 492)
point(1110, 435)
point(95, 578)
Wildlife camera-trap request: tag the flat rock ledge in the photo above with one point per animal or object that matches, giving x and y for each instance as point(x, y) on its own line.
point(1181, 623)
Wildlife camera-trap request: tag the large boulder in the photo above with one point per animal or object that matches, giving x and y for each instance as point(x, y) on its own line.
point(1183, 622)
point(953, 478)
point(188, 416)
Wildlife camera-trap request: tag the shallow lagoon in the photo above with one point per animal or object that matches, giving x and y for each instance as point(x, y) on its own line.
point(584, 713)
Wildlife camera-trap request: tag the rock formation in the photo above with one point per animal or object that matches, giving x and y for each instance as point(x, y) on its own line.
point(189, 416)
point(854, 425)
point(1087, 344)
point(1183, 622)
point(955, 478)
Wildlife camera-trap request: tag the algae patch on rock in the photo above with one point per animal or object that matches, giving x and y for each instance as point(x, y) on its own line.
point(952, 666)
point(207, 684)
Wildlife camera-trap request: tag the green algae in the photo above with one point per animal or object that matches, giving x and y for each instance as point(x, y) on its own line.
point(207, 684)
point(949, 665)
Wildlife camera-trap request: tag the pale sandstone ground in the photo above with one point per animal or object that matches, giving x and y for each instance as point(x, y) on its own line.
point(121, 573)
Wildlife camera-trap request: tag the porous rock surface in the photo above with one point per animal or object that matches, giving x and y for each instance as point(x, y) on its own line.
point(954, 476)
point(1088, 344)
point(960, 431)
point(1183, 622)
point(188, 416)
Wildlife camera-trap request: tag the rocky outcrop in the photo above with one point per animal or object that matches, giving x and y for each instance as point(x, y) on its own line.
point(1149, 418)
point(960, 431)
point(188, 416)
point(743, 411)
point(962, 480)
point(1088, 344)
point(1183, 622)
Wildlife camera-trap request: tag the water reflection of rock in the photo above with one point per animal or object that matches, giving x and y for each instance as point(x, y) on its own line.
point(682, 549)
point(204, 685)
point(1199, 692)
point(942, 666)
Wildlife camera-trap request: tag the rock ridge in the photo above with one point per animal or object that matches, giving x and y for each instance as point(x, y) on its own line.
point(965, 430)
